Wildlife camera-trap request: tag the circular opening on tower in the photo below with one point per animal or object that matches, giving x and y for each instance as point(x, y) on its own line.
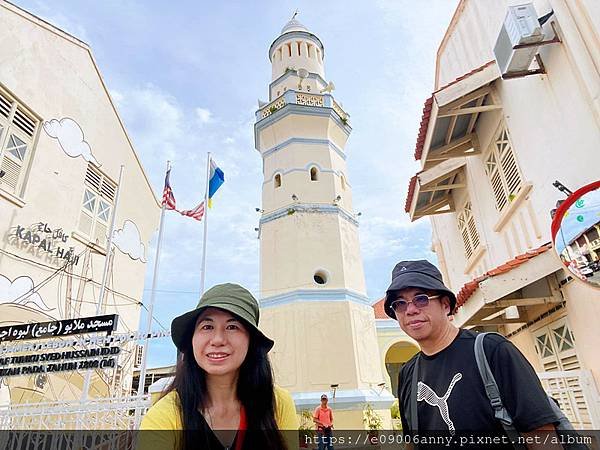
point(320, 277)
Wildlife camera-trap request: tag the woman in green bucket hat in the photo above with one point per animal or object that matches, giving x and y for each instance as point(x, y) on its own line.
point(223, 395)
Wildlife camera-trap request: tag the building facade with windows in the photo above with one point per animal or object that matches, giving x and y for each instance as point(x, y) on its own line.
point(62, 146)
point(490, 149)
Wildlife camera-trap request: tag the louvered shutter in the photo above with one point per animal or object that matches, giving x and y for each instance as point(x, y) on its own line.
point(555, 346)
point(511, 171)
point(97, 205)
point(16, 137)
point(464, 233)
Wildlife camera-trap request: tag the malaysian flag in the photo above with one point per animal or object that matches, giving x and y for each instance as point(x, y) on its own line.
point(196, 213)
point(168, 200)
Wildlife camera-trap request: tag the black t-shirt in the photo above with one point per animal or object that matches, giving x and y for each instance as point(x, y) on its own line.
point(451, 396)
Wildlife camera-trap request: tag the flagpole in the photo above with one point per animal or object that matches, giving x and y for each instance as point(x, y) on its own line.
point(203, 270)
point(142, 377)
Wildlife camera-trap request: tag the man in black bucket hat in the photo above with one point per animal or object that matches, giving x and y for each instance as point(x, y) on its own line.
point(440, 388)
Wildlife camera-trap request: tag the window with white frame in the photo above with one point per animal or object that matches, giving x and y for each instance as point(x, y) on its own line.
point(17, 132)
point(502, 170)
point(555, 346)
point(468, 230)
point(98, 199)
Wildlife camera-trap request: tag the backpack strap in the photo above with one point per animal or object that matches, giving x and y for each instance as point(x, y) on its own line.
point(493, 392)
point(413, 410)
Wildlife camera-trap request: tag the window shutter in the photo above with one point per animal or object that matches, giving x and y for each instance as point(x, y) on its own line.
point(108, 189)
point(556, 347)
point(23, 122)
point(12, 162)
point(93, 177)
point(97, 205)
point(85, 223)
point(11, 177)
point(511, 172)
point(17, 130)
point(100, 232)
point(468, 230)
point(464, 232)
point(502, 170)
point(5, 106)
point(493, 172)
point(473, 232)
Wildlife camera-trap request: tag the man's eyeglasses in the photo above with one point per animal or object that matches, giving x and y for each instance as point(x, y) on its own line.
point(420, 301)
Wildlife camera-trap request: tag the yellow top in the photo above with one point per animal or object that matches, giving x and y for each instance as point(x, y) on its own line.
point(165, 416)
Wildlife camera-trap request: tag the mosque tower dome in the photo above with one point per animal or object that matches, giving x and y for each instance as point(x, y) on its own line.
point(296, 48)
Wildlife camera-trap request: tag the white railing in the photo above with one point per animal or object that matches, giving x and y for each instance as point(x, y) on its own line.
point(116, 413)
point(302, 98)
point(577, 394)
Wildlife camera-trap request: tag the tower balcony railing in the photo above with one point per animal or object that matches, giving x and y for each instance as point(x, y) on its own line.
point(292, 97)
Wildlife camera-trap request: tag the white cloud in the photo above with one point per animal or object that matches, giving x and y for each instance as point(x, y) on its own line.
point(128, 240)
point(70, 137)
point(203, 115)
point(228, 140)
point(20, 292)
point(157, 123)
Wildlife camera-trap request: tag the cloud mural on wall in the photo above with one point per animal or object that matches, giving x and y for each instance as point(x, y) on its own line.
point(128, 240)
point(20, 292)
point(70, 137)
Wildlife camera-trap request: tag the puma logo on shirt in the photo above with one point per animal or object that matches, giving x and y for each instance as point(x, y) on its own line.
point(424, 392)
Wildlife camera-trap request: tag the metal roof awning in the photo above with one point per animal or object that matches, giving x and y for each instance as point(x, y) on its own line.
point(447, 133)
point(524, 286)
point(455, 109)
point(432, 188)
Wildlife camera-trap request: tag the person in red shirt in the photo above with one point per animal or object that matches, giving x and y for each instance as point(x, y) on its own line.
point(323, 418)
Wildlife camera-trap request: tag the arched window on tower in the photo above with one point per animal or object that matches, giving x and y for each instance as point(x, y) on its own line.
point(279, 53)
point(314, 174)
point(277, 181)
point(298, 43)
point(308, 49)
point(289, 48)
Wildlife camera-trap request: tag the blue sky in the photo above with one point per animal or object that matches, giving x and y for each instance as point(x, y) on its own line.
point(186, 77)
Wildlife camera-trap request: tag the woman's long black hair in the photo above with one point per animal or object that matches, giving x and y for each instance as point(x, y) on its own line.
point(255, 391)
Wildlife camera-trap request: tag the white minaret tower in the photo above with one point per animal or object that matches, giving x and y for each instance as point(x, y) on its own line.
point(313, 295)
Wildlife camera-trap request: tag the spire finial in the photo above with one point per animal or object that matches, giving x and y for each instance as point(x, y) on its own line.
point(295, 14)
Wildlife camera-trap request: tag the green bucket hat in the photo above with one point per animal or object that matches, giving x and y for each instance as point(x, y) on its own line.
point(228, 297)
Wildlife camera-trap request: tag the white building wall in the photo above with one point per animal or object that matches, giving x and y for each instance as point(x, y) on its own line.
point(555, 136)
point(54, 76)
point(554, 125)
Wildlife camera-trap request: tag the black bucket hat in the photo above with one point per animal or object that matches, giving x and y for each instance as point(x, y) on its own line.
point(416, 274)
point(228, 297)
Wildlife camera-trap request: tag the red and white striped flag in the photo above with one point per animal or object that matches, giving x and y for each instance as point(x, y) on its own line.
point(168, 199)
point(196, 213)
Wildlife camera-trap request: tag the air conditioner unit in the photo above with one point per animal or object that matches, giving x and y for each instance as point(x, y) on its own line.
point(521, 26)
